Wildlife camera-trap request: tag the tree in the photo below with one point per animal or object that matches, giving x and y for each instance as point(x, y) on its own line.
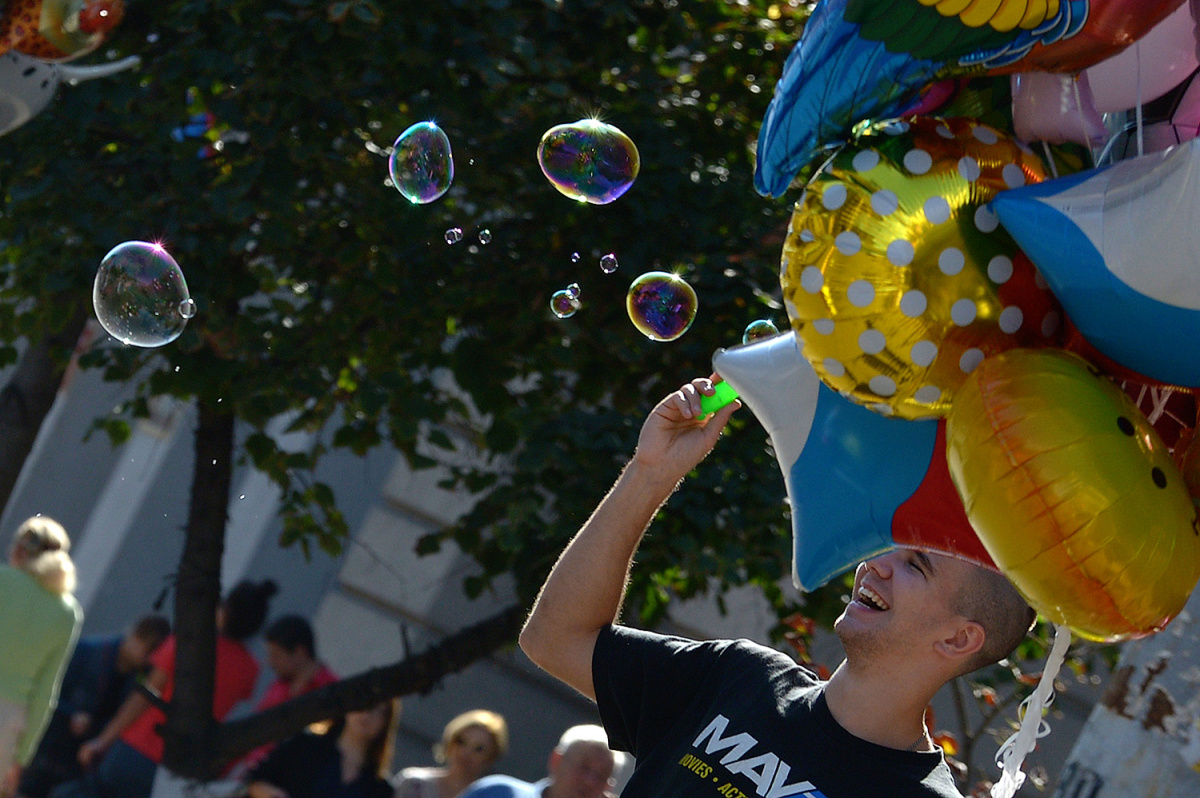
point(322, 294)
point(1143, 737)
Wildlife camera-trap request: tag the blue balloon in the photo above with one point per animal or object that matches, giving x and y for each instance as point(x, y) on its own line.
point(1120, 249)
point(847, 469)
point(868, 60)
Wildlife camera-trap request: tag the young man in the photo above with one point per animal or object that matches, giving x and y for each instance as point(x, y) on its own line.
point(580, 766)
point(733, 719)
point(101, 673)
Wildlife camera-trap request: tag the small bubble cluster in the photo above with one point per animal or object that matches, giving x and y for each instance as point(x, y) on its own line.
point(140, 296)
point(565, 302)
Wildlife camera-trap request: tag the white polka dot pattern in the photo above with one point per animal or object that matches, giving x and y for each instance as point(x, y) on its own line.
point(900, 252)
point(951, 261)
point(937, 210)
point(834, 196)
point(860, 293)
point(872, 342)
point(812, 280)
point(918, 161)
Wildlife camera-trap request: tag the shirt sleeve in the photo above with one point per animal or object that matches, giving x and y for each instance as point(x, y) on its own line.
point(44, 695)
point(643, 681)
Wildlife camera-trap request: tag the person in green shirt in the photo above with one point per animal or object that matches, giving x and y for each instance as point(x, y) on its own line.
point(39, 623)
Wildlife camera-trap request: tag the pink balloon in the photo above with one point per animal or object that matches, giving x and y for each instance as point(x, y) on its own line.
point(1166, 56)
point(1055, 108)
point(1182, 125)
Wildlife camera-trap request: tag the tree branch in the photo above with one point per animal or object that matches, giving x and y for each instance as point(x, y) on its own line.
point(416, 674)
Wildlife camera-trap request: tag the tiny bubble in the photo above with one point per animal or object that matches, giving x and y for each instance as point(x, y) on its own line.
point(485, 236)
point(608, 264)
point(573, 290)
point(454, 235)
point(574, 257)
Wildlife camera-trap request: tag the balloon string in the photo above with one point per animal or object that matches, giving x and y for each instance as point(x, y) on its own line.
point(1050, 159)
point(1012, 754)
point(1158, 402)
point(1141, 142)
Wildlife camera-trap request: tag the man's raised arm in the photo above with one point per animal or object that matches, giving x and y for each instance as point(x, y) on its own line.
point(585, 588)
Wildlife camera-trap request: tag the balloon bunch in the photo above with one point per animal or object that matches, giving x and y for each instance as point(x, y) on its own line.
point(36, 37)
point(990, 359)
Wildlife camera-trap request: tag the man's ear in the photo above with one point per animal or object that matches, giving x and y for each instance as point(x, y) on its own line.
point(552, 762)
point(964, 643)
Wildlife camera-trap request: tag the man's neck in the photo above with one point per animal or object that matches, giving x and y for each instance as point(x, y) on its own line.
point(885, 708)
point(303, 677)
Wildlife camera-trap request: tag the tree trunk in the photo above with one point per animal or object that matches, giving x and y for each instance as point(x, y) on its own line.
point(1142, 738)
point(190, 730)
point(29, 395)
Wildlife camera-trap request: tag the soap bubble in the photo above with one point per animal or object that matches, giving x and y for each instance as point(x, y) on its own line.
point(759, 328)
point(574, 257)
point(140, 296)
point(454, 235)
point(608, 263)
point(421, 164)
point(573, 290)
point(485, 236)
point(661, 305)
point(589, 161)
point(563, 304)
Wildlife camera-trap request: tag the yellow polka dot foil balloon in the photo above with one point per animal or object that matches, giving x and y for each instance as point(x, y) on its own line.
point(898, 278)
point(1073, 494)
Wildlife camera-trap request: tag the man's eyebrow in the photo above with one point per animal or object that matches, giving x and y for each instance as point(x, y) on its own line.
point(925, 561)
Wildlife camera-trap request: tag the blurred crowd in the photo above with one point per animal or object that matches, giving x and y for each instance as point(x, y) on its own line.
point(81, 717)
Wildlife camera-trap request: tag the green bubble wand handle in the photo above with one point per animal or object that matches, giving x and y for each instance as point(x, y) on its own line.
point(724, 395)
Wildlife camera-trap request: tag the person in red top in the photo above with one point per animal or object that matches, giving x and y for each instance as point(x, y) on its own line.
point(129, 749)
point(292, 655)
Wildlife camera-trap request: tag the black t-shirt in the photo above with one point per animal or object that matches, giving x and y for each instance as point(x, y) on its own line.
point(309, 766)
point(732, 719)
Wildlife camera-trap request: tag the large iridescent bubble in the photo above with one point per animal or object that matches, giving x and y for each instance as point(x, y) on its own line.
point(661, 305)
point(140, 296)
point(589, 161)
point(421, 164)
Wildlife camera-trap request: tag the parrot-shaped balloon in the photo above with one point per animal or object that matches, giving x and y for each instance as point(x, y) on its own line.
point(861, 60)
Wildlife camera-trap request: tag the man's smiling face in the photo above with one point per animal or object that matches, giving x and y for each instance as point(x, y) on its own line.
point(902, 602)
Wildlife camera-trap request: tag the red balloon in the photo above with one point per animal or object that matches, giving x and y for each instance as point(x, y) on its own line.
point(933, 517)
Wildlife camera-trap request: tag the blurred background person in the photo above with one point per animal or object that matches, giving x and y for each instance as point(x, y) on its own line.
point(292, 656)
point(470, 745)
point(580, 766)
point(39, 623)
point(127, 752)
point(100, 675)
point(350, 760)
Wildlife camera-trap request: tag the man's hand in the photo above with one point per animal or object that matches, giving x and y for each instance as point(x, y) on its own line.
point(91, 752)
point(260, 789)
point(673, 438)
point(12, 781)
